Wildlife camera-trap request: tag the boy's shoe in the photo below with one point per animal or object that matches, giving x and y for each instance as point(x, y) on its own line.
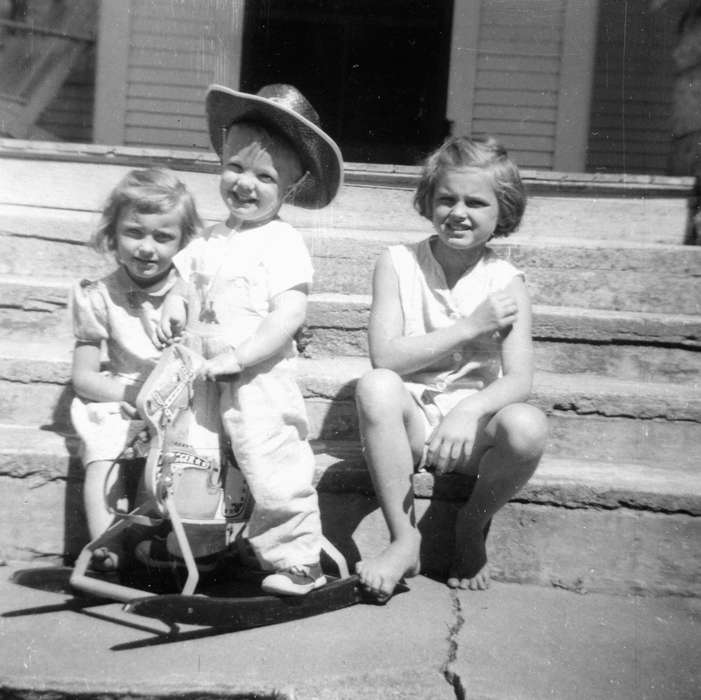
point(297, 580)
point(154, 554)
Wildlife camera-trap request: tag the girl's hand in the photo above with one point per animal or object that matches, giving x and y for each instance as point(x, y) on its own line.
point(450, 444)
point(498, 311)
point(173, 320)
point(152, 329)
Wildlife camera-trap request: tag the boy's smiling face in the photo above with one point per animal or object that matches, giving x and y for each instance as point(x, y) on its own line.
point(257, 171)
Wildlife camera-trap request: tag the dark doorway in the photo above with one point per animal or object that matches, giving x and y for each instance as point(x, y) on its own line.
point(375, 70)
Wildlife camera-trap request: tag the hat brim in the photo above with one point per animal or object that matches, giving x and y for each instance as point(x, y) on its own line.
point(320, 155)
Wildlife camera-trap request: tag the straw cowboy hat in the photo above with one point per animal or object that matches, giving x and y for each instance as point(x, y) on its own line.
point(285, 109)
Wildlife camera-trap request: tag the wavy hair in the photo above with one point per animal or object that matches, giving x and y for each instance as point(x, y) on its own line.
point(482, 153)
point(147, 191)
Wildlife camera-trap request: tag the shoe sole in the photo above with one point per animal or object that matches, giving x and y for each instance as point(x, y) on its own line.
point(285, 587)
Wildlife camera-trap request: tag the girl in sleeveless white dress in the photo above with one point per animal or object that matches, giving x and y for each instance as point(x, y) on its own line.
point(450, 343)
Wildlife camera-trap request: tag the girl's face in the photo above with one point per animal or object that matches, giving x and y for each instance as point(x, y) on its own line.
point(255, 176)
point(146, 244)
point(465, 208)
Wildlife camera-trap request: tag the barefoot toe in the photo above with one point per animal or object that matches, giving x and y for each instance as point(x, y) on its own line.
point(469, 570)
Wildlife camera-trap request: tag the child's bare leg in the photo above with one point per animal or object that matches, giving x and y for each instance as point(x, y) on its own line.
point(103, 489)
point(515, 439)
point(388, 418)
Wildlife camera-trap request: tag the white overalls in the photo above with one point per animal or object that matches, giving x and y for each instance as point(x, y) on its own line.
point(232, 278)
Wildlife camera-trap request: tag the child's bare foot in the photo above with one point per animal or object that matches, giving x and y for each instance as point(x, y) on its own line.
point(479, 582)
point(381, 574)
point(469, 570)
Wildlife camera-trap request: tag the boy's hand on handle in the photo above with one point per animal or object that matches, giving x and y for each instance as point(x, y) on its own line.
point(496, 312)
point(221, 366)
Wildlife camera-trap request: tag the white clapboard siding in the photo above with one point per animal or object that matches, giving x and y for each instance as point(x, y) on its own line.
point(165, 106)
point(517, 76)
point(167, 138)
point(167, 25)
point(629, 124)
point(167, 120)
point(486, 99)
point(515, 113)
point(165, 75)
point(524, 48)
point(179, 10)
point(548, 65)
point(176, 50)
point(514, 127)
point(184, 95)
point(197, 59)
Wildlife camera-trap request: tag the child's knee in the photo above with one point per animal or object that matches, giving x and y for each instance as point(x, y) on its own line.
point(378, 392)
point(524, 429)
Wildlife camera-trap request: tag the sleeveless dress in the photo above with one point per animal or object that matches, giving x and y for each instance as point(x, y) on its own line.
point(428, 305)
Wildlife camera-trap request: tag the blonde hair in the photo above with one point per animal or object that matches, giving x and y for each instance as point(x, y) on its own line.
point(148, 191)
point(484, 154)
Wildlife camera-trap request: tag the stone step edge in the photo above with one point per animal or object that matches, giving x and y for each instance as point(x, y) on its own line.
point(358, 247)
point(334, 379)
point(326, 242)
point(550, 322)
point(42, 456)
point(377, 175)
point(350, 311)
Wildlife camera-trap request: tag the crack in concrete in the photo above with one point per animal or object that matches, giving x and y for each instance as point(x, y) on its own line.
point(568, 408)
point(621, 503)
point(36, 478)
point(449, 673)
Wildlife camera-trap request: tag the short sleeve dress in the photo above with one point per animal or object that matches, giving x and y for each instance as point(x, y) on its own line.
point(113, 313)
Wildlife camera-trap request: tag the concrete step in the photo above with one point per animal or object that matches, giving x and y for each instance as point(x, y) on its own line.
point(374, 197)
point(623, 344)
point(591, 275)
point(651, 421)
point(645, 419)
point(559, 645)
point(559, 272)
point(590, 417)
point(578, 524)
